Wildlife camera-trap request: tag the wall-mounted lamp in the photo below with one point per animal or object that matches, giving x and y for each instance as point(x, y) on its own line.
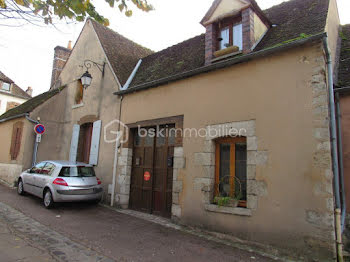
point(86, 78)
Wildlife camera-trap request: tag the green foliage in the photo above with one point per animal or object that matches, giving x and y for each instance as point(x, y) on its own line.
point(342, 36)
point(301, 36)
point(222, 201)
point(72, 9)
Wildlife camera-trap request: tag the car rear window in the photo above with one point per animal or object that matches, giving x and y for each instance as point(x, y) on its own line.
point(77, 171)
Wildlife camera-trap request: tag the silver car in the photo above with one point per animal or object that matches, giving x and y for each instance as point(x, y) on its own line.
point(61, 181)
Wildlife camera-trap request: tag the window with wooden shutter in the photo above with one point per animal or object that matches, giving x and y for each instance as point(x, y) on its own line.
point(16, 139)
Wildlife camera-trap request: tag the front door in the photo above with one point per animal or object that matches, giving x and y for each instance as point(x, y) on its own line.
point(152, 170)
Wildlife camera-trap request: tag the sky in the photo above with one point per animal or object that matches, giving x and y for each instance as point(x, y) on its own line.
point(26, 52)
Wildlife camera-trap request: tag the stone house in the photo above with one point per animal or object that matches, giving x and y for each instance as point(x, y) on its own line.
point(245, 109)
point(11, 95)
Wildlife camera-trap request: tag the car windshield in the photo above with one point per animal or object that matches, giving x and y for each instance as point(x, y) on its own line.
point(77, 171)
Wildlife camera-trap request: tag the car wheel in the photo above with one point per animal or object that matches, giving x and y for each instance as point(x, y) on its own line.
point(20, 189)
point(48, 200)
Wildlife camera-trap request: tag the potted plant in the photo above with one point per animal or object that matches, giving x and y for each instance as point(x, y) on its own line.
point(225, 196)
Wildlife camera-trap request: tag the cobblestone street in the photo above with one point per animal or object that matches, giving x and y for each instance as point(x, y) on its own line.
point(85, 232)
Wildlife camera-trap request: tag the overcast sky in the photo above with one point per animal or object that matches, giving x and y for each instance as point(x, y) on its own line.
point(26, 53)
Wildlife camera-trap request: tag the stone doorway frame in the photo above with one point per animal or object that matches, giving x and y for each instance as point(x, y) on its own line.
point(124, 170)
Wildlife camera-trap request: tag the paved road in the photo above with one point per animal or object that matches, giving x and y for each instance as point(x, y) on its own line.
point(115, 235)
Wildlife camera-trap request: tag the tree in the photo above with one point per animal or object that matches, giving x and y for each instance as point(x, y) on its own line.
point(45, 10)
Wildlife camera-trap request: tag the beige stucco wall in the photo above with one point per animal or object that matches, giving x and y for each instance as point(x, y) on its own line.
point(11, 169)
point(59, 113)
point(332, 29)
point(259, 28)
point(295, 210)
point(224, 7)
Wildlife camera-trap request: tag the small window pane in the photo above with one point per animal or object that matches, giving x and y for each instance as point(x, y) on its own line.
point(80, 171)
point(137, 139)
point(172, 136)
point(6, 86)
point(241, 170)
point(149, 139)
point(48, 169)
point(237, 36)
point(225, 35)
point(37, 168)
point(224, 178)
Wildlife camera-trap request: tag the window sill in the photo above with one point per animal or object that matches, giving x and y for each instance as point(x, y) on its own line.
point(228, 210)
point(226, 56)
point(78, 105)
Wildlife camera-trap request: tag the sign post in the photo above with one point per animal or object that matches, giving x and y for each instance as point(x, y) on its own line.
point(39, 129)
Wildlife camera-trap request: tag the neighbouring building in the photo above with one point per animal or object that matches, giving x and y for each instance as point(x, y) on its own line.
point(241, 115)
point(343, 106)
point(11, 95)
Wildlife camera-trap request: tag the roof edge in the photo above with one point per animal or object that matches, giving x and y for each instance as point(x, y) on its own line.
point(13, 117)
point(221, 65)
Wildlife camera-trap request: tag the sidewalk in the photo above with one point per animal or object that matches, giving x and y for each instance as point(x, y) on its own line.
point(25, 240)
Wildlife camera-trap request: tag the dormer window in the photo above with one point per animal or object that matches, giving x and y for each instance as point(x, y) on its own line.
point(6, 86)
point(231, 36)
point(233, 27)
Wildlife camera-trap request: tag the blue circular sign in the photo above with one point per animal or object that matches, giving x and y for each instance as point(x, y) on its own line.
point(39, 129)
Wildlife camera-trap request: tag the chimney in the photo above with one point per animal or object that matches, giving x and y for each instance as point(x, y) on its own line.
point(61, 55)
point(69, 45)
point(29, 91)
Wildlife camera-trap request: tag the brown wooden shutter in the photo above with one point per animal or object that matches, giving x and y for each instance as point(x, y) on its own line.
point(16, 139)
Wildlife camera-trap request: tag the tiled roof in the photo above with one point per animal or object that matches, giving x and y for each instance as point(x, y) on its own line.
point(344, 63)
point(16, 90)
point(122, 53)
point(295, 19)
point(31, 104)
point(5, 78)
point(176, 59)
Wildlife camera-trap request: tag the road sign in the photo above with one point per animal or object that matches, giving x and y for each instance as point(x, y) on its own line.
point(147, 176)
point(39, 129)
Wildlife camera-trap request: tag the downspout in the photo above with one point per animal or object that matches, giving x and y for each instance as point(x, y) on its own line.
point(341, 163)
point(334, 149)
point(117, 144)
point(36, 144)
point(115, 163)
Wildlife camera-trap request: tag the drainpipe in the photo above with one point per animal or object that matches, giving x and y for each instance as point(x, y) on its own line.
point(115, 163)
point(341, 163)
point(36, 143)
point(334, 148)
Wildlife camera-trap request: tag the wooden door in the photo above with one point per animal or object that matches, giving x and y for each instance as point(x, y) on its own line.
point(155, 156)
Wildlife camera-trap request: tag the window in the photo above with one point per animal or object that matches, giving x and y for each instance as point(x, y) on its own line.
point(11, 105)
point(48, 169)
point(237, 36)
point(231, 169)
point(6, 86)
point(231, 35)
point(79, 94)
point(225, 36)
point(37, 168)
point(16, 140)
point(77, 171)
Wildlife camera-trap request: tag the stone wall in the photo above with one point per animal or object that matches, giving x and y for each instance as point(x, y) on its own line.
point(179, 163)
point(255, 157)
point(9, 173)
point(321, 219)
point(124, 178)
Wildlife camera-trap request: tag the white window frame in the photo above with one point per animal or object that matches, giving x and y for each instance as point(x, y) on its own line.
point(224, 37)
point(237, 35)
point(4, 89)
